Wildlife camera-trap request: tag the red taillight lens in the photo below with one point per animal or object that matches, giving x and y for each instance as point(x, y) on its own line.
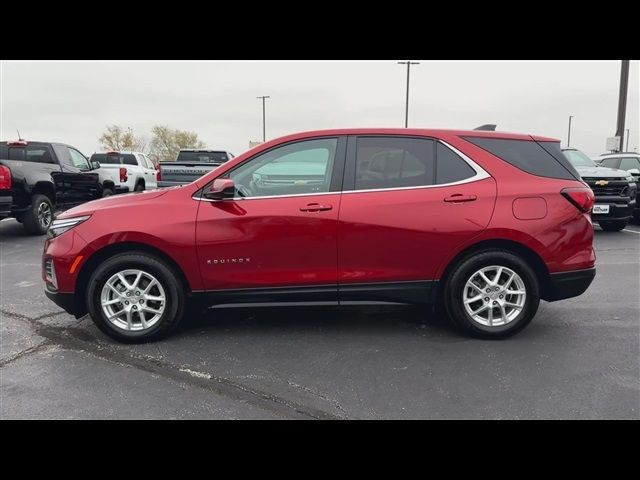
point(581, 197)
point(158, 174)
point(5, 178)
point(123, 174)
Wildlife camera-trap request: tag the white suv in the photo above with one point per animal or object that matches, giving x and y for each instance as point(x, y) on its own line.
point(122, 172)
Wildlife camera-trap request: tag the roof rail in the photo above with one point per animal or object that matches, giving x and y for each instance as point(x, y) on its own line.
point(487, 126)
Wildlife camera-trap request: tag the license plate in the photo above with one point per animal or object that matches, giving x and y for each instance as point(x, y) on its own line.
point(600, 209)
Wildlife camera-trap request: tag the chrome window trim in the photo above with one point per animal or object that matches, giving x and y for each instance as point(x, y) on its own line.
point(481, 174)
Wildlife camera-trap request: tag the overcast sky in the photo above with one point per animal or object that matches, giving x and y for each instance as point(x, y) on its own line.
point(72, 102)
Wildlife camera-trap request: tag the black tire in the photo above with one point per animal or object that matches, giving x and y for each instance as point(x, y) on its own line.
point(107, 192)
point(175, 297)
point(32, 219)
point(612, 225)
point(453, 289)
point(139, 187)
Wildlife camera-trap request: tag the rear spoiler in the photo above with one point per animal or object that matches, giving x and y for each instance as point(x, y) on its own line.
point(490, 127)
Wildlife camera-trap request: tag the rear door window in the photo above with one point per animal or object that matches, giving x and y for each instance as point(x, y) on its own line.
point(394, 162)
point(544, 159)
point(450, 166)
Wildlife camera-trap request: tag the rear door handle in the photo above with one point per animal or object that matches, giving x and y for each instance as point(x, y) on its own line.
point(315, 207)
point(459, 198)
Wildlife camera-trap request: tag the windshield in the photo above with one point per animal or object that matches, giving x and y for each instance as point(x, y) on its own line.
point(578, 159)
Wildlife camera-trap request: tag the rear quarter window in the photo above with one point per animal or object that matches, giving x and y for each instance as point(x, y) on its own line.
point(544, 159)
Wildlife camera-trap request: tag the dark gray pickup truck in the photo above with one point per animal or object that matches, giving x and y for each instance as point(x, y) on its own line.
point(190, 166)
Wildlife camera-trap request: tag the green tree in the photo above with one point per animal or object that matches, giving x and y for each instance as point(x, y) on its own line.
point(166, 142)
point(116, 138)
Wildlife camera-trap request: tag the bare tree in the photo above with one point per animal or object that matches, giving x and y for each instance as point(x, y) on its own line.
point(167, 142)
point(117, 138)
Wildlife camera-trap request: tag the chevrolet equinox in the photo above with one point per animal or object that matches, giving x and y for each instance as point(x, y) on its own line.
point(483, 223)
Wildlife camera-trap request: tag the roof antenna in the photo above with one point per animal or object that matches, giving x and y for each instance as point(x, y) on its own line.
point(487, 126)
point(19, 137)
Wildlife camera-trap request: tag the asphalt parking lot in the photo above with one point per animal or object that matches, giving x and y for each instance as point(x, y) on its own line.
point(580, 358)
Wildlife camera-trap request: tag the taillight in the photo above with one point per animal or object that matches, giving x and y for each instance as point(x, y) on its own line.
point(581, 197)
point(17, 143)
point(158, 174)
point(5, 178)
point(123, 174)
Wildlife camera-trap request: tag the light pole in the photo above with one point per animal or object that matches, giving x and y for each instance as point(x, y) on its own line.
point(627, 149)
point(264, 127)
point(406, 111)
point(569, 134)
point(622, 101)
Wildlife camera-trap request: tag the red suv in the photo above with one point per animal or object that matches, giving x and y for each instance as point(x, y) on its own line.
point(484, 223)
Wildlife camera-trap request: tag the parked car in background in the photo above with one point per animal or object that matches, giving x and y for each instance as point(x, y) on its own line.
point(122, 172)
point(628, 161)
point(190, 165)
point(484, 223)
point(615, 191)
point(38, 178)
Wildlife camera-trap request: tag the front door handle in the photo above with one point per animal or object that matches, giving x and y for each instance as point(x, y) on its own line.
point(459, 198)
point(315, 207)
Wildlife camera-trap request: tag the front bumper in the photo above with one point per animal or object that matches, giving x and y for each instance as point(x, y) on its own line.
point(66, 301)
point(5, 206)
point(617, 211)
point(568, 284)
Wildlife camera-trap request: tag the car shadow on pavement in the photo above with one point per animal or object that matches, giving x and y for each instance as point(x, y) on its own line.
point(374, 320)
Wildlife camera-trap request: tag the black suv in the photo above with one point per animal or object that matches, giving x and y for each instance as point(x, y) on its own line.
point(627, 161)
point(615, 191)
point(37, 178)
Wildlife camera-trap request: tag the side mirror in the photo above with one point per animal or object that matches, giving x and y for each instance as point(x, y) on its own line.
point(95, 165)
point(220, 189)
point(634, 171)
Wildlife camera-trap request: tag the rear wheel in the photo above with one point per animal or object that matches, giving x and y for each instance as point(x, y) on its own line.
point(612, 225)
point(492, 294)
point(38, 218)
point(139, 187)
point(135, 298)
point(107, 192)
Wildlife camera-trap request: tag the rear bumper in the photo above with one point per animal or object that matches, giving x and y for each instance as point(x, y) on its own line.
point(5, 206)
point(122, 189)
point(568, 284)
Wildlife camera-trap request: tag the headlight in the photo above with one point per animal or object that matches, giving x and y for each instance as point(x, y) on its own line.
point(58, 227)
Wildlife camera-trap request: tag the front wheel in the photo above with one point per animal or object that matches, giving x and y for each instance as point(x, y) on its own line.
point(612, 225)
point(493, 294)
point(135, 298)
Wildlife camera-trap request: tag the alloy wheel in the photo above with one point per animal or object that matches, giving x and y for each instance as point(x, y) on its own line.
point(494, 296)
point(133, 300)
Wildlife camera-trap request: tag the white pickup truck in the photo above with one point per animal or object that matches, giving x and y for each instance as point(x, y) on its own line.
point(122, 172)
